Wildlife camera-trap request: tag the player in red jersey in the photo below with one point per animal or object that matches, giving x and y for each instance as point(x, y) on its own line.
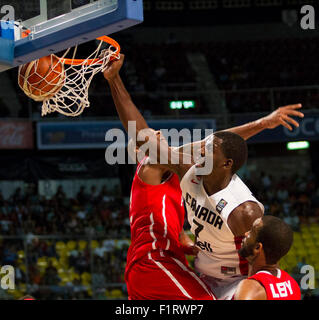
point(264, 245)
point(156, 266)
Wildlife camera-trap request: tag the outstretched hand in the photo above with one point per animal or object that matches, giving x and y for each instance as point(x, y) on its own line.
point(282, 116)
point(113, 68)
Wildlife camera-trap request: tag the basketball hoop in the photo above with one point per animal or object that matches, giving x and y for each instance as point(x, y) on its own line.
point(70, 98)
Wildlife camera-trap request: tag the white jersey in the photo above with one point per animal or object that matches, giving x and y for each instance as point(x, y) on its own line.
point(207, 215)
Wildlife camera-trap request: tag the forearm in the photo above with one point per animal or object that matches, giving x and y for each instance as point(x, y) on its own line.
point(250, 129)
point(125, 107)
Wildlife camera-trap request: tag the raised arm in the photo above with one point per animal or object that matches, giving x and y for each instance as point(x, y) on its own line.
point(281, 116)
point(125, 107)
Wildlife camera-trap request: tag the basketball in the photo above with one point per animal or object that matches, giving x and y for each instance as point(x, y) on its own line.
point(43, 78)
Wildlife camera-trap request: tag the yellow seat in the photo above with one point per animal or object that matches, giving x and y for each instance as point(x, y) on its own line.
point(298, 240)
point(309, 243)
point(315, 237)
point(94, 244)
point(21, 254)
point(314, 227)
point(60, 245)
point(15, 293)
point(71, 245)
point(290, 260)
point(22, 267)
point(82, 244)
point(64, 262)
point(54, 261)
point(65, 278)
point(42, 262)
point(75, 276)
point(86, 278)
point(61, 270)
point(116, 294)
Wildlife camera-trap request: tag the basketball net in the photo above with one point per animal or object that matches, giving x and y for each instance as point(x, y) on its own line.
point(72, 98)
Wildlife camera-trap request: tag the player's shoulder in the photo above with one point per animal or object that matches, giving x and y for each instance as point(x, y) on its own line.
point(250, 289)
point(249, 209)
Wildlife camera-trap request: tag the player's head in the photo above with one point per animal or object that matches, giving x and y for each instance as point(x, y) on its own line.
point(270, 238)
point(228, 150)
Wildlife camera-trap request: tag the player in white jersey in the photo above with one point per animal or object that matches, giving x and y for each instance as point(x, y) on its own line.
point(220, 206)
point(221, 209)
point(218, 217)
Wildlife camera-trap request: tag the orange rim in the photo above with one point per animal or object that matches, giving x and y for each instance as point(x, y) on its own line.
point(76, 62)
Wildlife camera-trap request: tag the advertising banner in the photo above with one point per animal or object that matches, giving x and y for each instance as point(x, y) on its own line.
point(92, 134)
point(16, 135)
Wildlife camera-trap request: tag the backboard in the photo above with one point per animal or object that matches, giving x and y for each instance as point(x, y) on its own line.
point(53, 25)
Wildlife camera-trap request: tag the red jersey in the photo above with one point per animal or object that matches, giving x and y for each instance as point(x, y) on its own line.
point(280, 287)
point(156, 218)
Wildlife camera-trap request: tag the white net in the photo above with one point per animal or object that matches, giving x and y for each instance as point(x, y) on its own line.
point(67, 91)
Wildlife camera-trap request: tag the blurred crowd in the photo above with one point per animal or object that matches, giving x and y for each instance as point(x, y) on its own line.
point(76, 248)
point(294, 199)
point(105, 213)
point(84, 234)
point(154, 71)
point(91, 212)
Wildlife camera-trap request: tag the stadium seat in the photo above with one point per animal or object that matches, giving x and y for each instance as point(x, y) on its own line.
point(22, 267)
point(64, 262)
point(82, 244)
point(309, 243)
point(75, 276)
point(54, 261)
point(314, 228)
point(65, 278)
point(315, 237)
point(21, 254)
point(116, 294)
point(306, 236)
point(15, 293)
point(42, 262)
point(86, 278)
point(61, 270)
point(71, 245)
point(94, 244)
point(297, 237)
point(60, 246)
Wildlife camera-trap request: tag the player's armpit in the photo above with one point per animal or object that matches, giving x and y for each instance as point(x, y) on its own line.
point(242, 218)
point(250, 289)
